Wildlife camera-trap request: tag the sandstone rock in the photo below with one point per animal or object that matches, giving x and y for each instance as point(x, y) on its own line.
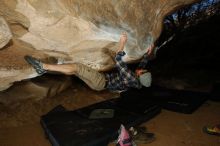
point(5, 33)
point(36, 89)
point(7, 10)
point(78, 31)
point(13, 67)
point(64, 25)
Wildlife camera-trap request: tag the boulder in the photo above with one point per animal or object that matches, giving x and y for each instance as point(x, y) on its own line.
point(35, 89)
point(5, 33)
point(81, 31)
point(13, 67)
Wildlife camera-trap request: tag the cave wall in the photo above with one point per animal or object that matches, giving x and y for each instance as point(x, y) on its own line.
point(84, 31)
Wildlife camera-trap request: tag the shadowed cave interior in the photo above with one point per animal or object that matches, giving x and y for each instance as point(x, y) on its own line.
point(190, 61)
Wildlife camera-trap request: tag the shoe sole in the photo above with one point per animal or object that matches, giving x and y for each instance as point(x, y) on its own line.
point(35, 65)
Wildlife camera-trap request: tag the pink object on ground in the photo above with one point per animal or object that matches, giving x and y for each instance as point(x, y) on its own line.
point(124, 139)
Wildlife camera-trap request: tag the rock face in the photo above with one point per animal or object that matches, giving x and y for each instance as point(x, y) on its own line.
point(37, 88)
point(82, 31)
point(5, 33)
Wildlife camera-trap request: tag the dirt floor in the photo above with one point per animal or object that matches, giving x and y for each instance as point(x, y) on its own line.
point(19, 123)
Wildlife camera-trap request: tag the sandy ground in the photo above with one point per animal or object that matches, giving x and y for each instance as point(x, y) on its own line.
point(19, 124)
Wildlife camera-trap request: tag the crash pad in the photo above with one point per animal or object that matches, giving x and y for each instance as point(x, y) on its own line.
point(68, 128)
point(182, 101)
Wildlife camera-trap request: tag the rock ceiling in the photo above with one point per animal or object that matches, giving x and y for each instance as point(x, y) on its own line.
point(84, 31)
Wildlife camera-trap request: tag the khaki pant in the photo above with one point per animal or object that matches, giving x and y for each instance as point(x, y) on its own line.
point(91, 77)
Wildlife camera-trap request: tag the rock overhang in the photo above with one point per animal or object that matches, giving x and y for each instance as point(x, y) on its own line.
point(81, 31)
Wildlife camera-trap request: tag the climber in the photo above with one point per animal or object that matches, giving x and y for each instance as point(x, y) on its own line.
point(121, 80)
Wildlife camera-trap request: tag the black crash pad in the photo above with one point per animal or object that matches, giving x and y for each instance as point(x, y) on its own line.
point(215, 93)
point(181, 101)
point(74, 128)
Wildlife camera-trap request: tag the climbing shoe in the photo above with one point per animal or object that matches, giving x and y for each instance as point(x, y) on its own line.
point(36, 64)
point(140, 135)
point(213, 130)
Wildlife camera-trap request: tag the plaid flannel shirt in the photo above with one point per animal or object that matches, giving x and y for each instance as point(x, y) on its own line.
point(124, 78)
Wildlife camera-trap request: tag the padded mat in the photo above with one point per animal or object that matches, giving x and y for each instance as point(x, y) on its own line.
point(175, 100)
point(75, 128)
point(215, 94)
